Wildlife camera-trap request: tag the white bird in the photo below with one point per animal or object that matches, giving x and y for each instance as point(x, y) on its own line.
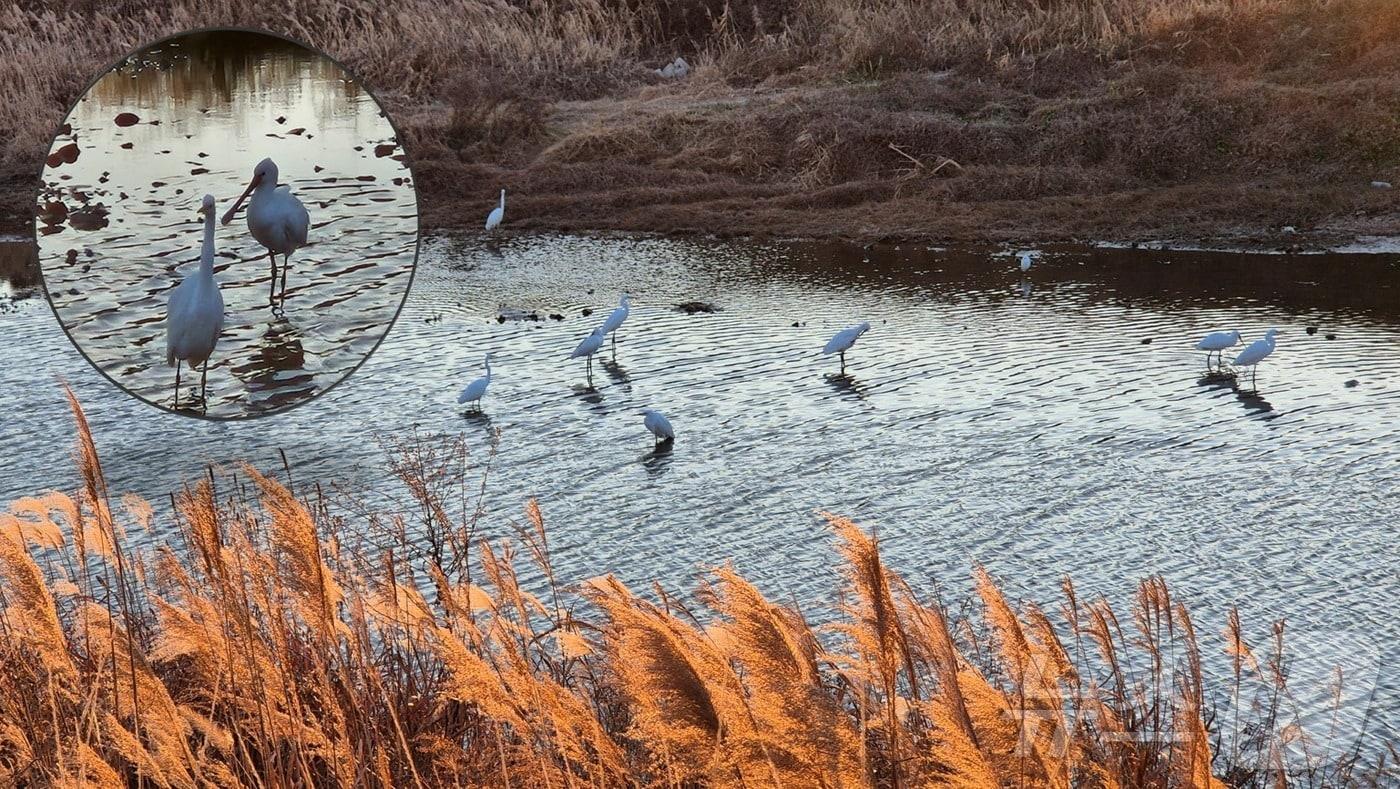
point(1255, 353)
point(659, 425)
point(614, 321)
point(1217, 342)
point(194, 315)
point(493, 219)
point(477, 389)
point(843, 341)
point(588, 347)
point(276, 218)
point(1027, 258)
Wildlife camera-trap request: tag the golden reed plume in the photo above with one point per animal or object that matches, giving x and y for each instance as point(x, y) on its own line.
point(256, 650)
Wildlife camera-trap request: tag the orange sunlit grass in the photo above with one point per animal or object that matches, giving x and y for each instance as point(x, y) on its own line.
point(257, 650)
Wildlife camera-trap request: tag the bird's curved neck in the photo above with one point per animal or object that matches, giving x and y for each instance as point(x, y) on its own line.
point(503, 198)
point(206, 252)
point(488, 369)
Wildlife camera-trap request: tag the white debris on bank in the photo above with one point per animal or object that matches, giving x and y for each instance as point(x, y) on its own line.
point(674, 70)
point(1380, 184)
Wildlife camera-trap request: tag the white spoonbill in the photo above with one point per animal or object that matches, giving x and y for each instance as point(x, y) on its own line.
point(659, 425)
point(1216, 343)
point(588, 347)
point(493, 219)
point(614, 321)
point(1255, 352)
point(1027, 258)
point(276, 218)
point(843, 341)
point(477, 389)
point(194, 315)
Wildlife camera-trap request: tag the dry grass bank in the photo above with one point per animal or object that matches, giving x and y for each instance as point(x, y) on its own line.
point(257, 645)
point(1062, 118)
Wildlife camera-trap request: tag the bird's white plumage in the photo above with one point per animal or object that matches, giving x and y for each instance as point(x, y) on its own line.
point(614, 321)
point(658, 424)
point(1255, 352)
point(195, 311)
point(1219, 341)
point(475, 390)
point(590, 344)
point(1027, 258)
point(845, 338)
point(493, 219)
point(276, 218)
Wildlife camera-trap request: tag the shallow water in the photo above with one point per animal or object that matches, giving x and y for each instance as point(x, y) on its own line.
point(118, 226)
point(1048, 425)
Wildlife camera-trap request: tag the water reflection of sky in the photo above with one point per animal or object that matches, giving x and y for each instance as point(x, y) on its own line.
point(118, 226)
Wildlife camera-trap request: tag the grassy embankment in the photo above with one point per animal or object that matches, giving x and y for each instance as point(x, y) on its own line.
point(948, 119)
point(259, 644)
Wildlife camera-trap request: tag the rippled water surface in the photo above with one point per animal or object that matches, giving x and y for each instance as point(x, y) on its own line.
point(118, 226)
point(1054, 424)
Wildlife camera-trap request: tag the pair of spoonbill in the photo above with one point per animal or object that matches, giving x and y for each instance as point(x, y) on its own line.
point(276, 219)
point(594, 341)
point(1251, 356)
point(843, 341)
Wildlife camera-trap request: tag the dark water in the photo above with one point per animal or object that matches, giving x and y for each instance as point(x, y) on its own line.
point(1056, 424)
point(118, 226)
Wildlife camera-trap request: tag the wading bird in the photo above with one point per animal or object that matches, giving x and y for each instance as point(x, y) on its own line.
point(1027, 258)
point(1255, 353)
point(493, 219)
point(843, 341)
point(659, 425)
point(588, 347)
point(195, 312)
point(614, 321)
point(276, 218)
point(477, 389)
point(1216, 343)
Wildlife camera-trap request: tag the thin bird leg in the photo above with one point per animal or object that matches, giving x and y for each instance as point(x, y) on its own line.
point(272, 282)
point(286, 261)
point(177, 383)
point(843, 361)
point(203, 385)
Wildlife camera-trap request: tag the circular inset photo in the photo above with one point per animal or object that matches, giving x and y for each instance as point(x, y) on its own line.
point(227, 225)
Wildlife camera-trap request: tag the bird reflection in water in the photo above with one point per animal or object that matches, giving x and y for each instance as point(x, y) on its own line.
point(658, 460)
point(615, 371)
point(590, 394)
point(1254, 403)
point(846, 384)
point(479, 418)
point(1025, 288)
point(279, 352)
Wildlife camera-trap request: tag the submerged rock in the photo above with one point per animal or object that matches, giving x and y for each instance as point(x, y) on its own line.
point(692, 307)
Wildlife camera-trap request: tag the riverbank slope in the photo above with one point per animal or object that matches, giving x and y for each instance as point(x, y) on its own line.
point(1204, 121)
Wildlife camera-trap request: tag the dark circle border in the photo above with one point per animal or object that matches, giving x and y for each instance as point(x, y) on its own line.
point(417, 230)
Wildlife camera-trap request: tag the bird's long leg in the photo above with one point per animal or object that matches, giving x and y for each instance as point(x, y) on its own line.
point(203, 385)
point(614, 345)
point(177, 383)
point(843, 362)
point(286, 262)
point(272, 281)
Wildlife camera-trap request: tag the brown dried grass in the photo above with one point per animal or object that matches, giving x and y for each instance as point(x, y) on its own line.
point(263, 653)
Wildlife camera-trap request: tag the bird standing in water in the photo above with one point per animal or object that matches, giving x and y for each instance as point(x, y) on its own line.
point(276, 218)
point(475, 390)
point(588, 347)
point(1216, 343)
point(194, 314)
point(843, 341)
point(493, 219)
point(614, 321)
point(1255, 353)
point(659, 425)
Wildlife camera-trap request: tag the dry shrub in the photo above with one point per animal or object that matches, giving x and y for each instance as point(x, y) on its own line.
point(265, 652)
